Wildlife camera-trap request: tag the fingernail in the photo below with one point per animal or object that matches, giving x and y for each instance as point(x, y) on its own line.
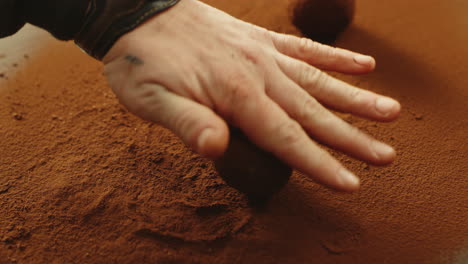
point(363, 60)
point(383, 151)
point(205, 135)
point(348, 179)
point(385, 106)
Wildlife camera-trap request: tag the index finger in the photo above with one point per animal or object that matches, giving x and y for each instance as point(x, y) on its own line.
point(268, 126)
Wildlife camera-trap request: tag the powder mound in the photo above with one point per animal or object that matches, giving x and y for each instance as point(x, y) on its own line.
point(189, 222)
point(84, 181)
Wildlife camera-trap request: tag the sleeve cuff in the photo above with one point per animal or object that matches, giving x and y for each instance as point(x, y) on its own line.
point(109, 20)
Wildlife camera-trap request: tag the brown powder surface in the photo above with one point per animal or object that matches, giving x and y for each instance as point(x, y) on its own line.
point(84, 181)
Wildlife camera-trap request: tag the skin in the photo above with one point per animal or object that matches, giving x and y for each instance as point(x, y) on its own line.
point(194, 69)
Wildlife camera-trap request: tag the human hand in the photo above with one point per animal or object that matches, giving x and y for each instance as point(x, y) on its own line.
point(193, 68)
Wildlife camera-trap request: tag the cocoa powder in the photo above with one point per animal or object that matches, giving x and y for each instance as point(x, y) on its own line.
point(84, 181)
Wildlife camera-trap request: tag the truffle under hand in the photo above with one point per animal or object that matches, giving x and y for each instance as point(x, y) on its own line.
point(251, 170)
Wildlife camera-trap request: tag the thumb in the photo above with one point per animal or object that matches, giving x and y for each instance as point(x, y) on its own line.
point(197, 125)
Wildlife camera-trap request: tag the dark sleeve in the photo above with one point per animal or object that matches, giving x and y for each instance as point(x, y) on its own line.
point(62, 18)
point(95, 25)
point(11, 19)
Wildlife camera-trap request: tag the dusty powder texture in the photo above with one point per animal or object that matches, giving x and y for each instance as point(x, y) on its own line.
point(83, 181)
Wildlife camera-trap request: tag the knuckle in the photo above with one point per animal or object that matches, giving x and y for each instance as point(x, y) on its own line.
point(331, 55)
point(320, 79)
point(261, 33)
point(290, 134)
point(310, 110)
point(185, 123)
point(355, 96)
point(253, 55)
point(359, 100)
point(142, 101)
point(307, 46)
point(284, 42)
point(238, 93)
point(312, 78)
point(307, 75)
point(238, 90)
point(278, 41)
point(322, 157)
point(357, 138)
point(330, 52)
point(250, 50)
point(355, 134)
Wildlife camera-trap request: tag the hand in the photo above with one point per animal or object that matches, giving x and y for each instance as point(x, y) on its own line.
point(194, 68)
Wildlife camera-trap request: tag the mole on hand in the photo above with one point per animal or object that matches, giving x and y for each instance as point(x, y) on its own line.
point(251, 170)
point(323, 20)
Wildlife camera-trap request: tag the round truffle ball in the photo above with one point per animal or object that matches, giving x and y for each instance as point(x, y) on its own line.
point(323, 20)
point(251, 170)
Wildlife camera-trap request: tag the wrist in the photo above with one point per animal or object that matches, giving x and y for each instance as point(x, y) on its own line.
point(95, 25)
point(107, 21)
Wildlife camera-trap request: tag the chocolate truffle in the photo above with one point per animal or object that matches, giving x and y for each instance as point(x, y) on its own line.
point(323, 20)
point(251, 170)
